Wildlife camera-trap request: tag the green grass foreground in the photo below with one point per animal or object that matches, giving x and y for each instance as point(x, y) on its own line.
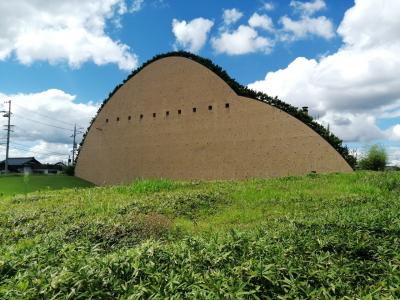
point(20, 184)
point(318, 236)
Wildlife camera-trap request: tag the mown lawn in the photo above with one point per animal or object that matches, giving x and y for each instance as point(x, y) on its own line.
point(19, 184)
point(318, 236)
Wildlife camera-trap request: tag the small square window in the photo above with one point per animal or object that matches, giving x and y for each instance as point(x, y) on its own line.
point(106, 120)
point(154, 115)
point(141, 117)
point(226, 105)
point(117, 119)
point(129, 118)
point(194, 109)
point(167, 113)
point(179, 111)
point(210, 107)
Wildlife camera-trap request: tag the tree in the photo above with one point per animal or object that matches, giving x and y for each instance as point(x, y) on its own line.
point(375, 159)
point(70, 170)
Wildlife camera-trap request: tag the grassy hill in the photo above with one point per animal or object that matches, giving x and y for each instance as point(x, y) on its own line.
point(318, 236)
point(18, 184)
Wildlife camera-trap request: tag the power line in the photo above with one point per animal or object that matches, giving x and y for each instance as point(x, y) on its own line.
point(24, 145)
point(45, 124)
point(44, 116)
point(37, 152)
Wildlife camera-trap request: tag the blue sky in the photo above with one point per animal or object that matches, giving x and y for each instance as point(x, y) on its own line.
point(148, 33)
point(59, 60)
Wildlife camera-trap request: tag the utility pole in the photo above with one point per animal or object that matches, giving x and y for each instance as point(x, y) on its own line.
point(7, 115)
point(74, 145)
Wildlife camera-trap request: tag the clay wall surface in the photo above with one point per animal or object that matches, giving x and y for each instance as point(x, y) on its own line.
point(226, 137)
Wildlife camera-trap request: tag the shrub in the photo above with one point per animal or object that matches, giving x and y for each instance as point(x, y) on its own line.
point(70, 170)
point(375, 159)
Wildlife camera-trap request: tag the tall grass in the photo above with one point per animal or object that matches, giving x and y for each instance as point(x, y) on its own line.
point(319, 236)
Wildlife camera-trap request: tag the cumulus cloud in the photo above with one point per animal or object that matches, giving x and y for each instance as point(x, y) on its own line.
point(63, 31)
point(244, 39)
point(268, 6)
point(42, 151)
point(371, 23)
point(308, 8)
point(260, 34)
point(393, 155)
point(231, 16)
point(356, 86)
point(305, 27)
point(363, 125)
point(192, 35)
point(136, 5)
point(261, 21)
point(44, 123)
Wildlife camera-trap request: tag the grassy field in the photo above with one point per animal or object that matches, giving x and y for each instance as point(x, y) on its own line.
point(18, 184)
point(318, 236)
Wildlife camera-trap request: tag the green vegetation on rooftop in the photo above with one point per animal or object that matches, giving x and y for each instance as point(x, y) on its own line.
point(317, 236)
point(244, 91)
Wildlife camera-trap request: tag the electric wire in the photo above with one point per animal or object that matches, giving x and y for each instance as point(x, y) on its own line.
point(22, 147)
point(46, 124)
point(36, 152)
point(42, 115)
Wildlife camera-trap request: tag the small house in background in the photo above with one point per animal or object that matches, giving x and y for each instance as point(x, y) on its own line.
point(56, 168)
point(21, 164)
point(31, 165)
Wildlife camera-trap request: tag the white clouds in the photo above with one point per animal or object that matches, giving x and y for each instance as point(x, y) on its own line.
point(394, 132)
point(371, 23)
point(62, 31)
point(355, 86)
point(305, 27)
point(261, 21)
point(245, 39)
point(241, 41)
point(42, 151)
point(260, 35)
point(231, 16)
point(268, 6)
point(32, 113)
point(308, 8)
point(393, 155)
point(192, 35)
point(359, 127)
point(136, 5)
point(293, 83)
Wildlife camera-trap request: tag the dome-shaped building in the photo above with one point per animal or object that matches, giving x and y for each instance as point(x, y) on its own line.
point(177, 117)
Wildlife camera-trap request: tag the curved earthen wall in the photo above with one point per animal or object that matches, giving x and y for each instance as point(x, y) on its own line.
point(177, 119)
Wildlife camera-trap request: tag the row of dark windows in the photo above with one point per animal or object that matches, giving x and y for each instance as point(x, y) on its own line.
point(167, 113)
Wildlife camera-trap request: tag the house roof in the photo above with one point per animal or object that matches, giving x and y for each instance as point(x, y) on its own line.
point(19, 161)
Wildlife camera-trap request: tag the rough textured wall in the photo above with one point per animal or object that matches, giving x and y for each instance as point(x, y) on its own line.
point(177, 119)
